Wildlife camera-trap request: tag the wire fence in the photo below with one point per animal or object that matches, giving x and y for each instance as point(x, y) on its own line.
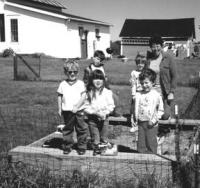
point(26, 130)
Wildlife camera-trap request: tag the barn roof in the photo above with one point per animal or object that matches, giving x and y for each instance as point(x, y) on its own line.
point(165, 27)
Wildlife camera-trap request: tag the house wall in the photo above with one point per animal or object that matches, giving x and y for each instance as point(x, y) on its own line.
point(58, 37)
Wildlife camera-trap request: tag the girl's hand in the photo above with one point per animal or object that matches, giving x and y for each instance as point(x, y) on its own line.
point(101, 115)
point(170, 97)
point(60, 112)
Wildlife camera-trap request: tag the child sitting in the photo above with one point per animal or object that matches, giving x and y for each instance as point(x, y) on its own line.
point(98, 104)
point(69, 94)
point(148, 110)
point(141, 63)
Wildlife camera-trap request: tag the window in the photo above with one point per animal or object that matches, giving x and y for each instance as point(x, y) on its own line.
point(2, 28)
point(14, 30)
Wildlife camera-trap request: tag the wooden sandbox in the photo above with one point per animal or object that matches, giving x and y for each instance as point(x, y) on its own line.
point(125, 165)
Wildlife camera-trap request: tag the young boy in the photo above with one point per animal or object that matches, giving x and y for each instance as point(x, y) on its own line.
point(148, 110)
point(97, 63)
point(141, 63)
point(69, 93)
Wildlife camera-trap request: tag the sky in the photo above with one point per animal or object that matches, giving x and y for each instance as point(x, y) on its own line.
point(116, 11)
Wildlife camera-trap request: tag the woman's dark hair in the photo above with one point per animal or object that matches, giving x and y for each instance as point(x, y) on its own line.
point(156, 39)
point(96, 74)
point(148, 73)
point(100, 54)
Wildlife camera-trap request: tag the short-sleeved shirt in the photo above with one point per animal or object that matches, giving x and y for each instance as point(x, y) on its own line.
point(71, 94)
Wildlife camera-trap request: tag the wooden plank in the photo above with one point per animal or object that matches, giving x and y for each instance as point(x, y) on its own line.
point(124, 165)
point(171, 122)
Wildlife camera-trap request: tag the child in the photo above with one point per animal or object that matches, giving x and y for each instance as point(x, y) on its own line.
point(148, 110)
point(97, 63)
point(69, 93)
point(141, 62)
point(99, 104)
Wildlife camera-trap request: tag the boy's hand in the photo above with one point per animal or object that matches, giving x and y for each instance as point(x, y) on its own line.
point(75, 109)
point(150, 124)
point(60, 112)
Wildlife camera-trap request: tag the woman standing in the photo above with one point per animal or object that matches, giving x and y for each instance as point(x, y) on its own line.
point(165, 67)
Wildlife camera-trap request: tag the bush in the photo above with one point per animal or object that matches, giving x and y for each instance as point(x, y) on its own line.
point(8, 52)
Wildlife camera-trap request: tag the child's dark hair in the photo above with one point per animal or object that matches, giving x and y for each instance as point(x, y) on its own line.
point(156, 39)
point(96, 74)
point(100, 54)
point(148, 73)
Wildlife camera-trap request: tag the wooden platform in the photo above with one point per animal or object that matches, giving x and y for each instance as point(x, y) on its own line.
point(124, 165)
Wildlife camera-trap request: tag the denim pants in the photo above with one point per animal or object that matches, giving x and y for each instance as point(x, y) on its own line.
point(98, 129)
point(74, 121)
point(147, 138)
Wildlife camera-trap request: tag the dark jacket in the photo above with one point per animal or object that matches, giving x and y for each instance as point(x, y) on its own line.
point(168, 74)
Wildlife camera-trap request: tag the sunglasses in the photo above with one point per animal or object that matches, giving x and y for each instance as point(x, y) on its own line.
point(75, 72)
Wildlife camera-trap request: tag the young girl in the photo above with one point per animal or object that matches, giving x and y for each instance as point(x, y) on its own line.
point(141, 63)
point(98, 104)
point(148, 110)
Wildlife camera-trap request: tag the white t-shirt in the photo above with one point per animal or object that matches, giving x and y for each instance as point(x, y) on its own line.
point(71, 94)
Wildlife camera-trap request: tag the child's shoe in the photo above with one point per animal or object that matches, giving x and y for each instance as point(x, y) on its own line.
point(66, 150)
point(96, 150)
point(133, 129)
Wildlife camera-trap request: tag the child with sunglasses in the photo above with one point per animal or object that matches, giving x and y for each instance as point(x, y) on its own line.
point(69, 94)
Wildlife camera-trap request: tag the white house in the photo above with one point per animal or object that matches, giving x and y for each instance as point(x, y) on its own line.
point(41, 26)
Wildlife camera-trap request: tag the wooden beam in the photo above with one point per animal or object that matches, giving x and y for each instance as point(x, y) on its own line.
point(187, 123)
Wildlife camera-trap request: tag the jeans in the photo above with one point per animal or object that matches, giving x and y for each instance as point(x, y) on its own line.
point(98, 129)
point(147, 138)
point(76, 121)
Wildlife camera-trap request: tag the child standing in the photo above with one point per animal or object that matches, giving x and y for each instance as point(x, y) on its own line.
point(99, 104)
point(69, 93)
point(97, 63)
point(141, 63)
point(148, 110)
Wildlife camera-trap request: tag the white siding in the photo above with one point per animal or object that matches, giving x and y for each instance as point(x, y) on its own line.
point(58, 37)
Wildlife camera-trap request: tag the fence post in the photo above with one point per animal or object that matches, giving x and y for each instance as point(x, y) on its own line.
point(196, 157)
point(177, 144)
point(15, 67)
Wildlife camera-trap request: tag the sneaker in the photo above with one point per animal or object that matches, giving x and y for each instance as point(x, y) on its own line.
point(160, 140)
point(133, 129)
point(96, 151)
point(66, 151)
point(81, 151)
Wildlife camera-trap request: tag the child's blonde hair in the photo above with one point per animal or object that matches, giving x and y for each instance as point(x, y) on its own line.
point(140, 56)
point(70, 64)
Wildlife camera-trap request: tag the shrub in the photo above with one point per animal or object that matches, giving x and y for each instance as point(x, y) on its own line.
point(8, 52)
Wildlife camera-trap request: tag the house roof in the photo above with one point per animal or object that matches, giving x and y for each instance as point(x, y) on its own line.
point(55, 7)
point(164, 27)
point(50, 2)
